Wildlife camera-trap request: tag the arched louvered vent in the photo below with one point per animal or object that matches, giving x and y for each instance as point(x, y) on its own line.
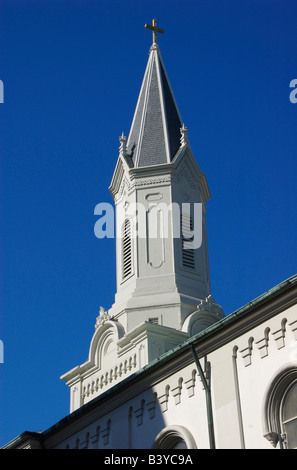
point(127, 249)
point(188, 254)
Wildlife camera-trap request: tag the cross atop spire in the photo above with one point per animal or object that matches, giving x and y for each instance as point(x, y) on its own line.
point(155, 30)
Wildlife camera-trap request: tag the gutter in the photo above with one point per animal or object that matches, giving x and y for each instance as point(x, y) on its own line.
point(212, 444)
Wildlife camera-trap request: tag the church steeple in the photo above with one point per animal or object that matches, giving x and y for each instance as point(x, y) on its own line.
point(163, 286)
point(154, 136)
point(157, 276)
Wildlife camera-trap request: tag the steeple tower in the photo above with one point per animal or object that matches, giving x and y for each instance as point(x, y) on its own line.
point(157, 277)
point(163, 288)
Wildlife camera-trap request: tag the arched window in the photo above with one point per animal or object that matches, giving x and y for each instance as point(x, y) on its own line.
point(289, 416)
point(174, 437)
point(188, 254)
point(280, 410)
point(127, 249)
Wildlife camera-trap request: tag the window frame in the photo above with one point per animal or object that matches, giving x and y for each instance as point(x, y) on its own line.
point(172, 435)
point(273, 406)
point(283, 422)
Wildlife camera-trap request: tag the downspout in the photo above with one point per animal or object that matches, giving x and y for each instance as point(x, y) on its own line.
point(212, 444)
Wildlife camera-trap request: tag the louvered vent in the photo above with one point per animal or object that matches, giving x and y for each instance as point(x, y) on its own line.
point(127, 249)
point(188, 258)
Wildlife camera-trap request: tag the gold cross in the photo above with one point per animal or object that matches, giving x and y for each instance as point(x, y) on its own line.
point(155, 30)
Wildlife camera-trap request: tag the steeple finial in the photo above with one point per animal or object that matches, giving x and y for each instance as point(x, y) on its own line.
point(155, 30)
point(184, 135)
point(123, 146)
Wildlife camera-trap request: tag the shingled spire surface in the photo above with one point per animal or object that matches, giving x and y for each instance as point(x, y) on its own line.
point(154, 136)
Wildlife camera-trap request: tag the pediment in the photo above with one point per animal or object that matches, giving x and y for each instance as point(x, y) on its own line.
point(103, 346)
point(120, 179)
point(187, 169)
point(208, 312)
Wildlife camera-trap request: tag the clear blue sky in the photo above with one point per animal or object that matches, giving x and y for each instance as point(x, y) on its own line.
point(72, 71)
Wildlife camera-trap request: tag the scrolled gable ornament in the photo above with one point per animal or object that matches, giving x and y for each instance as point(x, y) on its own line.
point(102, 317)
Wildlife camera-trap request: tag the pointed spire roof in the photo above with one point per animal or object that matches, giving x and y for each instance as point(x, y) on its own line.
point(154, 136)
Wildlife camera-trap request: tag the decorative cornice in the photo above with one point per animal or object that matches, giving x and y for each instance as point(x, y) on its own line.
point(152, 181)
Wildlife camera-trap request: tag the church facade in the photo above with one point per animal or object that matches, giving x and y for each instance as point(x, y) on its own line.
point(167, 369)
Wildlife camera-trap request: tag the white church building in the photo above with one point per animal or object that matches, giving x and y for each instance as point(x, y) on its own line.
point(167, 369)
